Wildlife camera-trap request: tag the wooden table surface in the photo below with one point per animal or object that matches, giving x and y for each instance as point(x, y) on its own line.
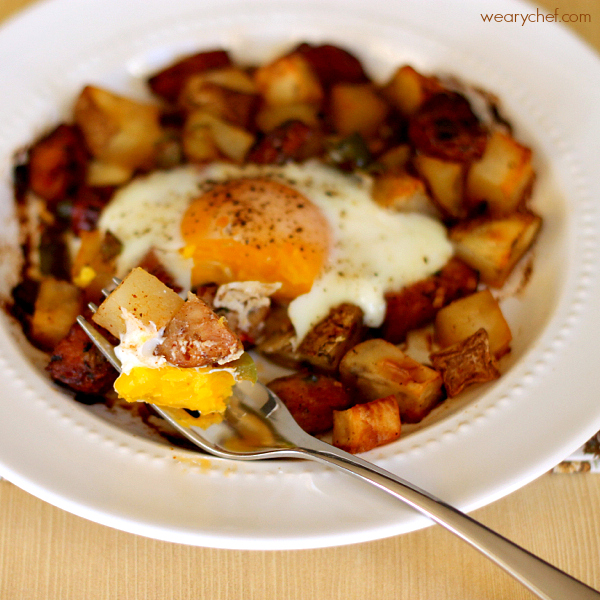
point(46, 553)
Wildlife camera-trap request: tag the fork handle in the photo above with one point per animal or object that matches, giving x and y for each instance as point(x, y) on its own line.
point(543, 579)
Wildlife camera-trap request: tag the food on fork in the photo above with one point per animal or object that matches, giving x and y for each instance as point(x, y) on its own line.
point(173, 352)
point(352, 231)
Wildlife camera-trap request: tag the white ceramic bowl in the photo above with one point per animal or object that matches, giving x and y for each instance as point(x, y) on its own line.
point(469, 452)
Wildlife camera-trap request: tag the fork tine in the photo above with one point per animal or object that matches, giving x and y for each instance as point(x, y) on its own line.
point(93, 307)
point(100, 342)
point(107, 292)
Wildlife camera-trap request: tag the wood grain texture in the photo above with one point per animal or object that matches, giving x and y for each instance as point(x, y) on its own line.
point(46, 553)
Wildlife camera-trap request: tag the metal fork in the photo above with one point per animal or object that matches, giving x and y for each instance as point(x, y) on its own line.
point(258, 426)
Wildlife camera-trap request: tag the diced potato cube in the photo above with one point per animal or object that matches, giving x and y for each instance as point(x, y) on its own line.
point(445, 179)
point(311, 398)
point(101, 173)
point(408, 89)
point(494, 246)
point(376, 368)
point(57, 163)
point(277, 339)
point(466, 363)
point(222, 102)
point(366, 426)
point(56, 309)
point(232, 78)
point(465, 316)
point(502, 176)
point(396, 158)
point(234, 142)
point(142, 295)
point(288, 80)
point(269, 117)
point(198, 141)
point(327, 342)
point(116, 129)
point(356, 108)
point(205, 136)
point(404, 193)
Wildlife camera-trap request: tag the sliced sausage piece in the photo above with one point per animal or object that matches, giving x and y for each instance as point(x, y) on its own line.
point(447, 128)
point(79, 365)
point(312, 398)
point(197, 337)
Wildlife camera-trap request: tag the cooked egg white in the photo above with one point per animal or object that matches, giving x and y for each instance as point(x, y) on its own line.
point(138, 344)
point(146, 214)
point(366, 250)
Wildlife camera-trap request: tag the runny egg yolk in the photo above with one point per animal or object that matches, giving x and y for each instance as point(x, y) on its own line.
point(255, 229)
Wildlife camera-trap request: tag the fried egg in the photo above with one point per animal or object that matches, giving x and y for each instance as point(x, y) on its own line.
point(311, 228)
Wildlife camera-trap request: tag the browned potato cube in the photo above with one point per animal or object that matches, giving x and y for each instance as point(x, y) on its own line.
point(311, 399)
point(445, 180)
point(503, 175)
point(169, 82)
point(57, 163)
point(100, 174)
point(466, 363)
point(356, 108)
point(232, 141)
point(465, 316)
point(197, 139)
point(396, 158)
point(144, 296)
point(493, 246)
point(402, 192)
point(232, 78)
point(375, 369)
point(269, 117)
point(205, 136)
point(56, 308)
point(327, 342)
point(277, 338)
point(416, 305)
point(116, 129)
point(407, 90)
point(366, 426)
point(288, 80)
point(222, 102)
